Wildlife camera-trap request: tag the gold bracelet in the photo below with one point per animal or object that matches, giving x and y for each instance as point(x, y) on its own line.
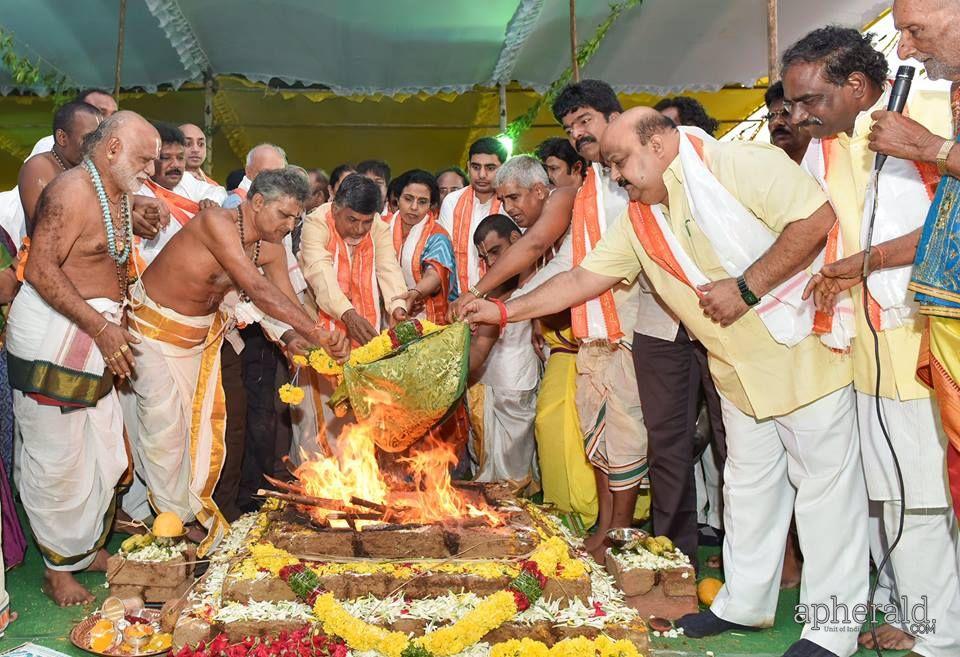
point(943, 154)
point(102, 329)
point(475, 292)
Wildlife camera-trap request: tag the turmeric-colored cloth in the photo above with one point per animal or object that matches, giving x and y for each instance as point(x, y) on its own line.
point(566, 474)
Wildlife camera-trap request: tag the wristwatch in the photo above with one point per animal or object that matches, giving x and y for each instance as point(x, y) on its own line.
point(746, 294)
point(475, 292)
point(942, 156)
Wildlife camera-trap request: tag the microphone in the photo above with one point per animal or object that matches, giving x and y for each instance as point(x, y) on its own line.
point(898, 100)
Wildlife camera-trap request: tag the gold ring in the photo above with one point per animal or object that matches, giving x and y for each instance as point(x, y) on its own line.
point(124, 348)
point(116, 354)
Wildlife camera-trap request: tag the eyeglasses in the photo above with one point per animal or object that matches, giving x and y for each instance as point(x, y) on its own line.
point(776, 115)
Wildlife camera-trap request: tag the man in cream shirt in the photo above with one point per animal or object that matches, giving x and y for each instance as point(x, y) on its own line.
point(788, 405)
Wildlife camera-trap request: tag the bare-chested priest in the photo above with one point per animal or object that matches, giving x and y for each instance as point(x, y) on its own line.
point(178, 436)
point(65, 343)
point(71, 124)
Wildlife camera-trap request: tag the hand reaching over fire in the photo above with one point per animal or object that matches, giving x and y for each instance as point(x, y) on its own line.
point(481, 311)
point(334, 343)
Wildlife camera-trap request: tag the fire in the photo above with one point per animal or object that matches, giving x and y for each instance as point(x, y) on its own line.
point(354, 473)
point(422, 492)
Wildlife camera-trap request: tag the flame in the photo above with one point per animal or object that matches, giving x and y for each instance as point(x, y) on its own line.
point(353, 473)
point(422, 492)
point(434, 499)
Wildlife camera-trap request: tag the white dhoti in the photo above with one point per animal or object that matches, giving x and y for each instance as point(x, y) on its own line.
point(807, 463)
point(504, 446)
point(615, 438)
point(506, 449)
point(176, 415)
point(925, 565)
point(71, 452)
point(706, 474)
point(314, 422)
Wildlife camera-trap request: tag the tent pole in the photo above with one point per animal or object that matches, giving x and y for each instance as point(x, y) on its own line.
point(502, 88)
point(575, 66)
point(208, 127)
point(120, 34)
point(773, 61)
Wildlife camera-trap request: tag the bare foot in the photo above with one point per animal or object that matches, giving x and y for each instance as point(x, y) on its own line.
point(591, 542)
point(64, 589)
point(792, 566)
point(890, 638)
point(10, 618)
point(99, 564)
point(600, 550)
point(196, 533)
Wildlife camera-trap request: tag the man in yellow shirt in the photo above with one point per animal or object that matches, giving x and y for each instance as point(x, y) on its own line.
point(789, 411)
point(834, 80)
point(348, 260)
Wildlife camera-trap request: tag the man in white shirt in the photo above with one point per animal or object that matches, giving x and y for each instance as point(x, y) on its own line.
point(463, 210)
point(507, 371)
point(195, 150)
point(169, 184)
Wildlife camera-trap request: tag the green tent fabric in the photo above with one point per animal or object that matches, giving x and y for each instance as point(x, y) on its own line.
point(412, 82)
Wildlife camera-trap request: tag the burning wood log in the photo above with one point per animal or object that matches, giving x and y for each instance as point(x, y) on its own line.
point(359, 501)
point(288, 464)
point(307, 500)
point(350, 517)
point(286, 486)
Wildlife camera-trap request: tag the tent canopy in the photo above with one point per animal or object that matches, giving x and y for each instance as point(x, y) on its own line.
point(410, 81)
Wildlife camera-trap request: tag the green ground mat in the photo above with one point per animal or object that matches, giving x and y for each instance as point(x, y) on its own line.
point(48, 625)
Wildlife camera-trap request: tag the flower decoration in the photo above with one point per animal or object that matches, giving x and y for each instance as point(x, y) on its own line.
point(291, 394)
point(304, 642)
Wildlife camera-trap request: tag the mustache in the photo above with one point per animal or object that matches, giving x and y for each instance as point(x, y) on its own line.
point(174, 172)
point(782, 130)
point(811, 121)
point(622, 182)
point(584, 140)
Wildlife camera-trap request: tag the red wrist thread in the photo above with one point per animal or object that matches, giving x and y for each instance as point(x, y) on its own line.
point(502, 307)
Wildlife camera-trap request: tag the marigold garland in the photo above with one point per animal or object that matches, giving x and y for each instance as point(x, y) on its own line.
point(357, 634)
point(553, 558)
point(382, 345)
point(291, 394)
point(550, 558)
point(492, 612)
point(602, 646)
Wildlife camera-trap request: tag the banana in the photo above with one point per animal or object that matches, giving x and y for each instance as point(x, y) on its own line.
point(653, 546)
point(666, 543)
point(136, 542)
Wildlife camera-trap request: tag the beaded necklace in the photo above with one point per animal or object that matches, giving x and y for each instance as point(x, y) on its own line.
point(256, 247)
point(117, 247)
point(59, 160)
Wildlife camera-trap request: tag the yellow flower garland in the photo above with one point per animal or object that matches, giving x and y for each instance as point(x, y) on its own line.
point(374, 350)
point(553, 558)
point(356, 633)
point(492, 612)
point(291, 394)
point(321, 362)
point(602, 646)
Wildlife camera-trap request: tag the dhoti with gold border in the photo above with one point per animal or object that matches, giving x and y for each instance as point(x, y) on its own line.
point(176, 416)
